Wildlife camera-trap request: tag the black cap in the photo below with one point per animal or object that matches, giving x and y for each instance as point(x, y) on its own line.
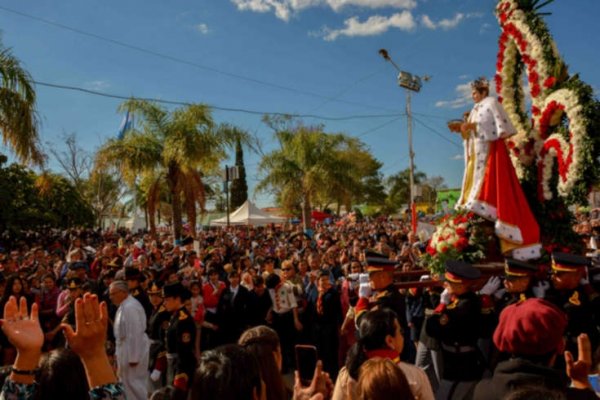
point(132, 273)
point(176, 290)
point(74, 283)
point(155, 287)
point(187, 240)
point(78, 265)
point(377, 262)
point(566, 262)
point(460, 271)
point(517, 268)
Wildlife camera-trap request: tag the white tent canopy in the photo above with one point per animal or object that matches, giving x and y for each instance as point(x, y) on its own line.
point(248, 214)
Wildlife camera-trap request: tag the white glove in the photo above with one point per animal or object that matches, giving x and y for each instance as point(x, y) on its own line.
point(354, 276)
point(445, 297)
point(424, 278)
point(155, 375)
point(491, 286)
point(499, 293)
point(364, 290)
point(540, 289)
point(585, 280)
point(363, 278)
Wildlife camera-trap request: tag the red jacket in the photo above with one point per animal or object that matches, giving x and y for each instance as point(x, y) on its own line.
point(211, 299)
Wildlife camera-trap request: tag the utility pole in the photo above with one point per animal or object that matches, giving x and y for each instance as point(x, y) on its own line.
point(411, 83)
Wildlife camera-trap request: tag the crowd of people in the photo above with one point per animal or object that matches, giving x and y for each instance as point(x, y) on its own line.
point(115, 314)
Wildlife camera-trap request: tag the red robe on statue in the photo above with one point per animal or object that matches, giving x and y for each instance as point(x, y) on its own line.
point(491, 188)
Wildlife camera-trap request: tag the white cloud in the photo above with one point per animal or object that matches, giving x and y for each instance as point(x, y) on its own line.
point(425, 20)
point(202, 28)
point(447, 23)
point(464, 76)
point(457, 157)
point(99, 86)
point(463, 92)
point(484, 27)
point(374, 25)
point(284, 9)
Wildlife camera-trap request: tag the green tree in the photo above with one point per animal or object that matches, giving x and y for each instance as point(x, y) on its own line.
point(18, 119)
point(31, 201)
point(399, 189)
point(239, 187)
point(174, 146)
point(307, 161)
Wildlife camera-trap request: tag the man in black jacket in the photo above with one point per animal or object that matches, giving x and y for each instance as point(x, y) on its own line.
point(232, 310)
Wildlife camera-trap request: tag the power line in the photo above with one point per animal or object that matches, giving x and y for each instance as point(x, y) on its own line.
point(182, 61)
point(228, 109)
point(380, 126)
point(436, 132)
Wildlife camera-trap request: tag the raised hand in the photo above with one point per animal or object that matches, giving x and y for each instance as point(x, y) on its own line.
point(578, 370)
point(91, 321)
point(22, 330)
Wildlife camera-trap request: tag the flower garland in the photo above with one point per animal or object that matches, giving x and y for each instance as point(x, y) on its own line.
point(526, 47)
point(567, 153)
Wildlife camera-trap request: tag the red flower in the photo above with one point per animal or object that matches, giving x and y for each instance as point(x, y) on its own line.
point(500, 99)
point(461, 231)
point(535, 91)
point(549, 82)
point(535, 110)
point(444, 249)
point(431, 250)
point(461, 243)
point(511, 144)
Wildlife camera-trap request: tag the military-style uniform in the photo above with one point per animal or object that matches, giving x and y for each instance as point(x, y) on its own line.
point(513, 270)
point(388, 297)
point(457, 326)
point(157, 331)
point(581, 304)
point(181, 336)
point(179, 340)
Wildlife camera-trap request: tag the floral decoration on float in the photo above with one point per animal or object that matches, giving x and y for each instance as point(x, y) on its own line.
point(461, 236)
point(556, 136)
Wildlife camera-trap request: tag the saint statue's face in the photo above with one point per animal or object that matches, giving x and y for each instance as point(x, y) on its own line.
point(477, 96)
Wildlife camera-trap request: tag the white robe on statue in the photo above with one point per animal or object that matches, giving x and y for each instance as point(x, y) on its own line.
point(132, 347)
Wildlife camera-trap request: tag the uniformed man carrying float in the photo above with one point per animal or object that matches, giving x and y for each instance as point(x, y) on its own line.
point(383, 294)
point(456, 324)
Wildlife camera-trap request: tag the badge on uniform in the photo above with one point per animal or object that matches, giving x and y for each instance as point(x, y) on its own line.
point(443, 319)
point(453, 304)
point(186, 337)
point(575, 299)
point(182, 315)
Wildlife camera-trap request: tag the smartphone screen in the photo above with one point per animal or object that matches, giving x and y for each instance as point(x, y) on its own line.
point(306, 362)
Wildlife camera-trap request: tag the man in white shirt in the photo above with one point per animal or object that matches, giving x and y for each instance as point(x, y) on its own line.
point(132, 343)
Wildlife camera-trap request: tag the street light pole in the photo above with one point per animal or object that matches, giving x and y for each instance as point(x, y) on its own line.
point(411, 83)
point(411, 153)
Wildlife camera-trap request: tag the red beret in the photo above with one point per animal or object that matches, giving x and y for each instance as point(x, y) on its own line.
point(532, 327)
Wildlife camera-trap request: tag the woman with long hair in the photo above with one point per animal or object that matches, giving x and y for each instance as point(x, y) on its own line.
point(380, 336)
point(263, 343)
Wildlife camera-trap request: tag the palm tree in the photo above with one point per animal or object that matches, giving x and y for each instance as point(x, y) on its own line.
point(18, 119)
point(308, 162)
point(173, 147)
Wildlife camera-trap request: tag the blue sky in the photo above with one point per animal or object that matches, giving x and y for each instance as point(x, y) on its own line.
point(294, 56)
